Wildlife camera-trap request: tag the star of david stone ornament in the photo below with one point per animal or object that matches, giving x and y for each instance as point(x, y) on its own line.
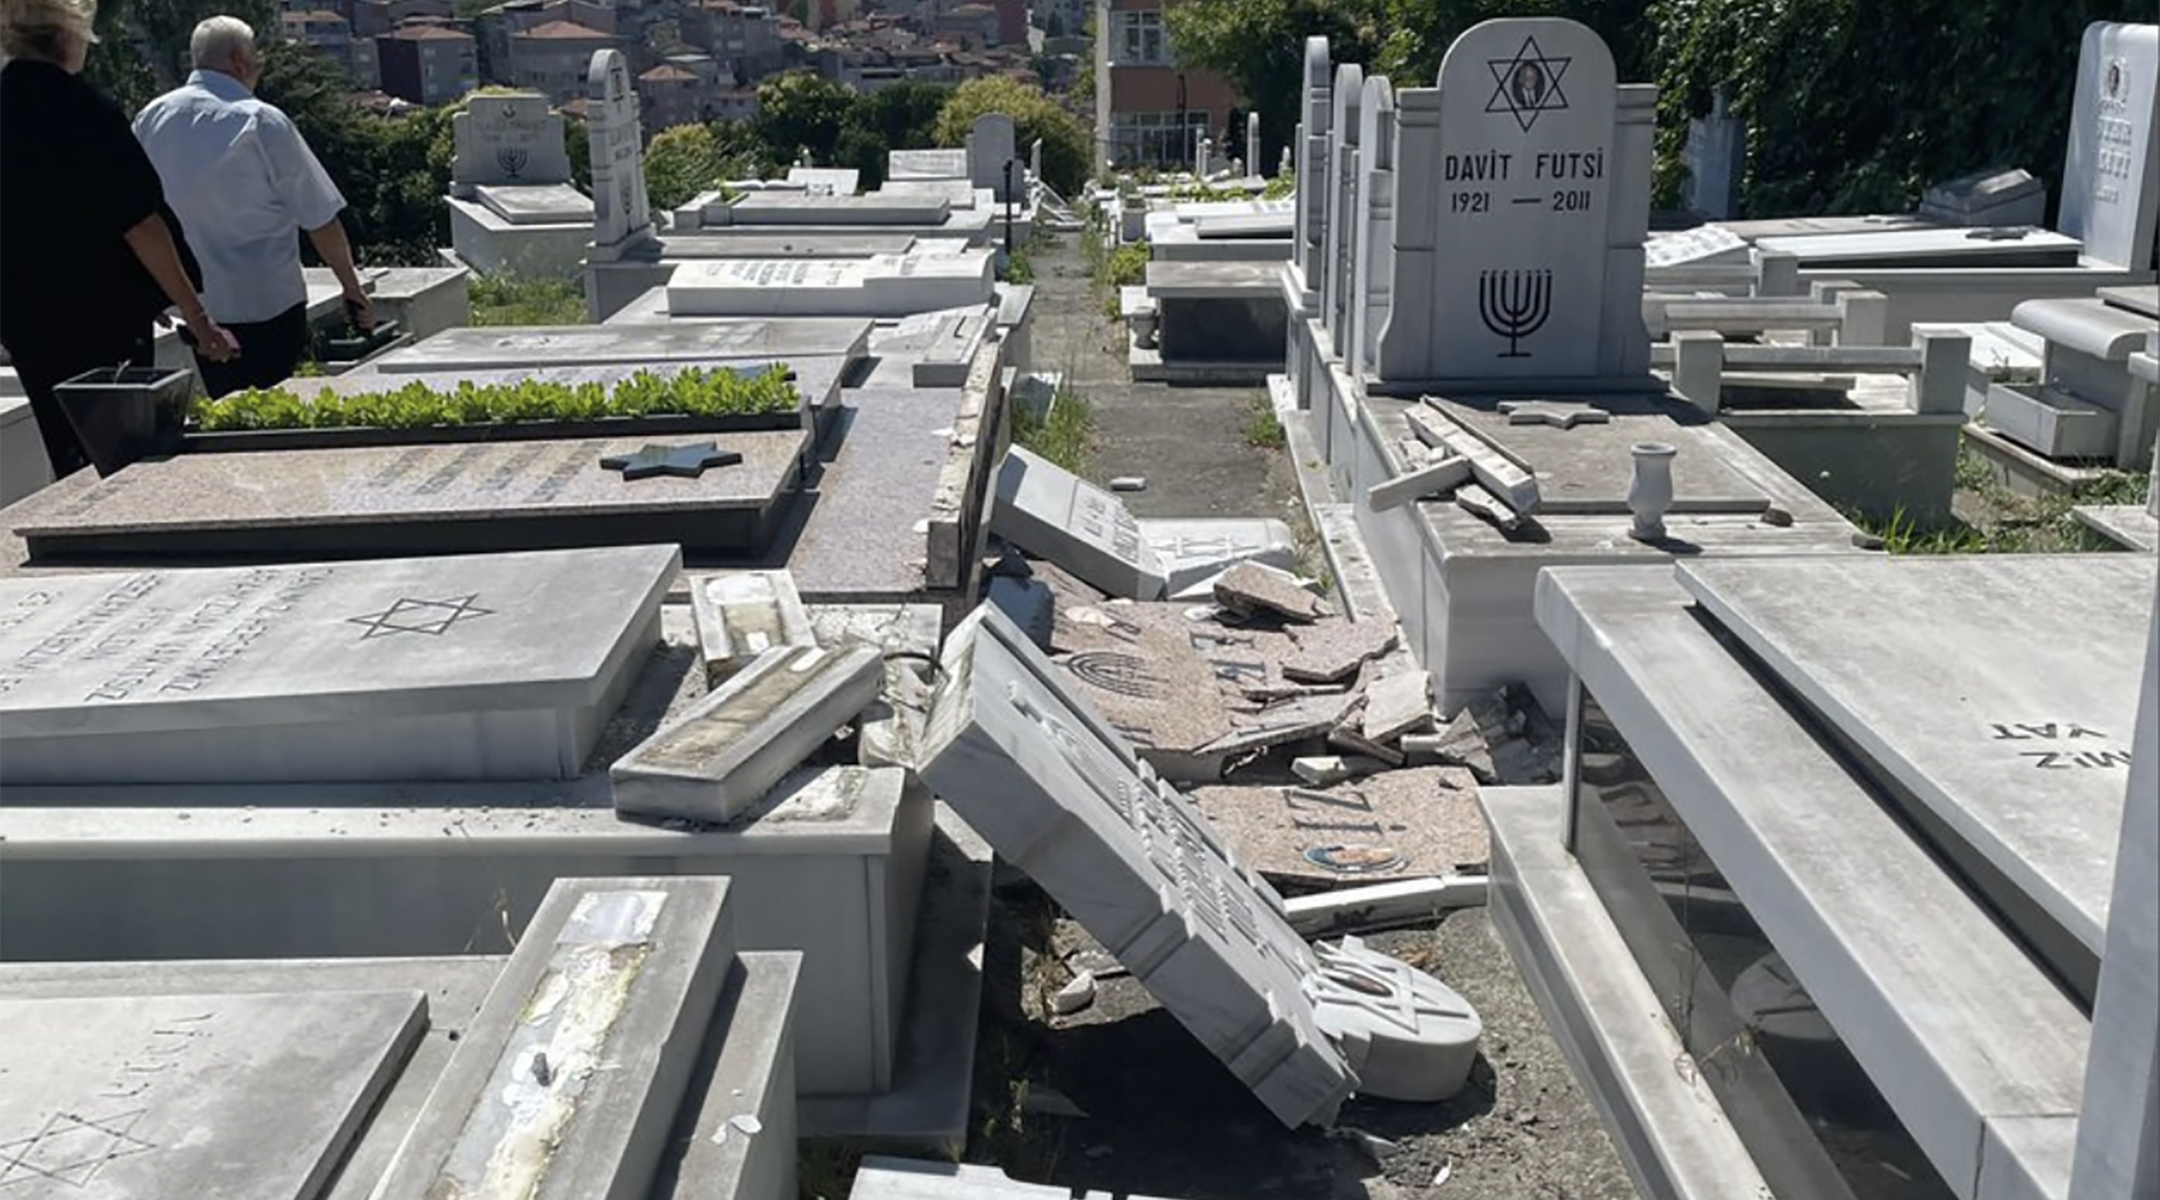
point(683, 462)
point(1408, 1035)
point(1559, 416)
point(1527, 84)
point(431, 617)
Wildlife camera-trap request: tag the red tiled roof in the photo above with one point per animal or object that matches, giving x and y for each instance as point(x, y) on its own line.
point(563, 29)
point(666, 73)
point(418, 33)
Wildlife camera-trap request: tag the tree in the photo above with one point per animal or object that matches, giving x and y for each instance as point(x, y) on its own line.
point(801, 111)
point(902, 116)
point(1068, 147)
point(683, 161)
point(145, 43)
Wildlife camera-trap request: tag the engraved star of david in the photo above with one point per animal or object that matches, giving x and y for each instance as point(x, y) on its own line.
point(687, 462)
point(1527, 84)
point(431, 617)
point(71, 1149)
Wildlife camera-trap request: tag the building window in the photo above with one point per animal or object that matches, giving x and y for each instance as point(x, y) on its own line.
point(1157, 139)
point(1137, 39)
point(1815, 1122)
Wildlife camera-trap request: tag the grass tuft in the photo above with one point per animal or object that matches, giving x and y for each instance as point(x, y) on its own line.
point(1263, 429)
point(517, 300)
point(1066, 437)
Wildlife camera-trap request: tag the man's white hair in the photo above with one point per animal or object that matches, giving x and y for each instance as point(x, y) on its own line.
point(219, 42)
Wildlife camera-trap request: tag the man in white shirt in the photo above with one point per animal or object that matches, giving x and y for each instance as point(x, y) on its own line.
point(243, 183)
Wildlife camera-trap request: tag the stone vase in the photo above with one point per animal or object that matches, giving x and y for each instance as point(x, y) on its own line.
point(1650, 489)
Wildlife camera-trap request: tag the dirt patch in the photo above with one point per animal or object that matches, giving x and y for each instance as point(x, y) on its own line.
point(1190, 443)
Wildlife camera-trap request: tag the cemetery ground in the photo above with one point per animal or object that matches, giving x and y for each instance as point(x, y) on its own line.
point(1118, 1096)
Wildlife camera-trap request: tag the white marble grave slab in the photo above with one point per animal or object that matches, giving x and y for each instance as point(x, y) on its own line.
point(883, 285)
point(2109, 199)
point(926, 164)
point(242, 1097)
point(500, 666)
point(1051, 512)
point(537, 204)
point(774, 340)
point(1951, 674)
point(1193, 549)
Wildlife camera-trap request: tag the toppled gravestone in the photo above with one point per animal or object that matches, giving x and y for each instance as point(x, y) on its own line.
point(1064, 797)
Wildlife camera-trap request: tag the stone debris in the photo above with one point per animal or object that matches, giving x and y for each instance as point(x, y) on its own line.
point(1250, 590)
point(1323, 770)
point(1330, 651)
point(1129, 483)
point(1400, 703)
point(1077, 994)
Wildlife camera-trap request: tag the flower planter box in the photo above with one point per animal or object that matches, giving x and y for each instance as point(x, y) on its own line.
point(123, 414)
point(344, 437)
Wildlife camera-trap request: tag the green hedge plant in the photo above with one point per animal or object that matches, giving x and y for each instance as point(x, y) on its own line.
point(691, 392)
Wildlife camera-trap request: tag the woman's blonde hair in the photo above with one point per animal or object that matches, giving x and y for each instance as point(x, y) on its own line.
point(39, 28)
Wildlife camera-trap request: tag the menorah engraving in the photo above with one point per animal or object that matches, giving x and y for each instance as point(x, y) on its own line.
point(512, 160)
point(1514, 305)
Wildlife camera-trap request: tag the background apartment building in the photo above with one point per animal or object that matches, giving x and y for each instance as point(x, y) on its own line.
point(1148, 111)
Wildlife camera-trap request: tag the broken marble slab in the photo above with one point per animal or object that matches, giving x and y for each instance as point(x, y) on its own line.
point(1333, 651)
point(1194, 549)
point(1399, 702)
point(1323, 770)
point(566, 1084)
point(1251, 589)
point(1148, 681)
point(1554, 413)
point(1484, 505)
point(888, 731)
point(742, 614)
point(1386, 825)
point(1052, 513)
point(1061, 795)
point(883, 1178)
point(732, 746)
point(1029, 602)
point(1298, 719)
point(1423, 479)
point(1410, 1036)
point(1508, 479)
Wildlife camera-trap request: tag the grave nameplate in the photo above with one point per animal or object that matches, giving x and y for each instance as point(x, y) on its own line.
point(566, 1084)
point(1525, 176)
point(233, 1096)
point(2110, 200)
point(372, 501)
point(1046, 510)
point(926, 164)
point(512, 139)
point(886, 285)
point(1968, 706)
point(991, 150)
point(485, 667)
point(742, 614)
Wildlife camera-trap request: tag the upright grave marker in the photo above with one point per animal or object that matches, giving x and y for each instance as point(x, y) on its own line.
point(621, 220)
point(2110, 200)
point(1518, 228)
point(513, 140)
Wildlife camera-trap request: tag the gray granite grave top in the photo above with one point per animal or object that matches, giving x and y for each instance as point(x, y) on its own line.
point(956, 193)
point(448, 481)
point(866, 535)
point(129, 1098)
point(1943, 1008)
point(1585, 469)
point(774, 339)
point(1213, 280)
point(537, 204)
point(1775, 227)
point(194, 649)
point(1950, 673)
point(882, 208)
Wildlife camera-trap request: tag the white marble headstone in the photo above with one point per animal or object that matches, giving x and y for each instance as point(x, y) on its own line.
point(512, 140)
point(1051, 512)
point(2110, 199)
point(991, 145)
point(620, 214)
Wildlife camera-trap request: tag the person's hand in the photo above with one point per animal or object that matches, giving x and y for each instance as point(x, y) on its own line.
point(360, 310)
point(212, 340)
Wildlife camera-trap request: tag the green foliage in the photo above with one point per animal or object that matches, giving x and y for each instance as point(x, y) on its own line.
point(516, 300)
point(1263, 429)
point(686, 160)
point(1856, 105)
point(901, 116)
point(801, 111)
point(145, 47)
point(2004, 522)
point(1127, 265)
point(1019, 268)
point(1066, 437)
point(1282, 187)
point(1068, 146)
point(693, 392)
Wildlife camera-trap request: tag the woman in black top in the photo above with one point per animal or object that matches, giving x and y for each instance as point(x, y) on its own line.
point(89, 254)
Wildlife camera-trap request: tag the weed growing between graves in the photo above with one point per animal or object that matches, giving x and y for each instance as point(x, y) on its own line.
point(1263, 429)
point(691, 392)
point(1065, 437)
point(825, 1170)
point(1019, 268)
point(516, 300)
point(1992, 519)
